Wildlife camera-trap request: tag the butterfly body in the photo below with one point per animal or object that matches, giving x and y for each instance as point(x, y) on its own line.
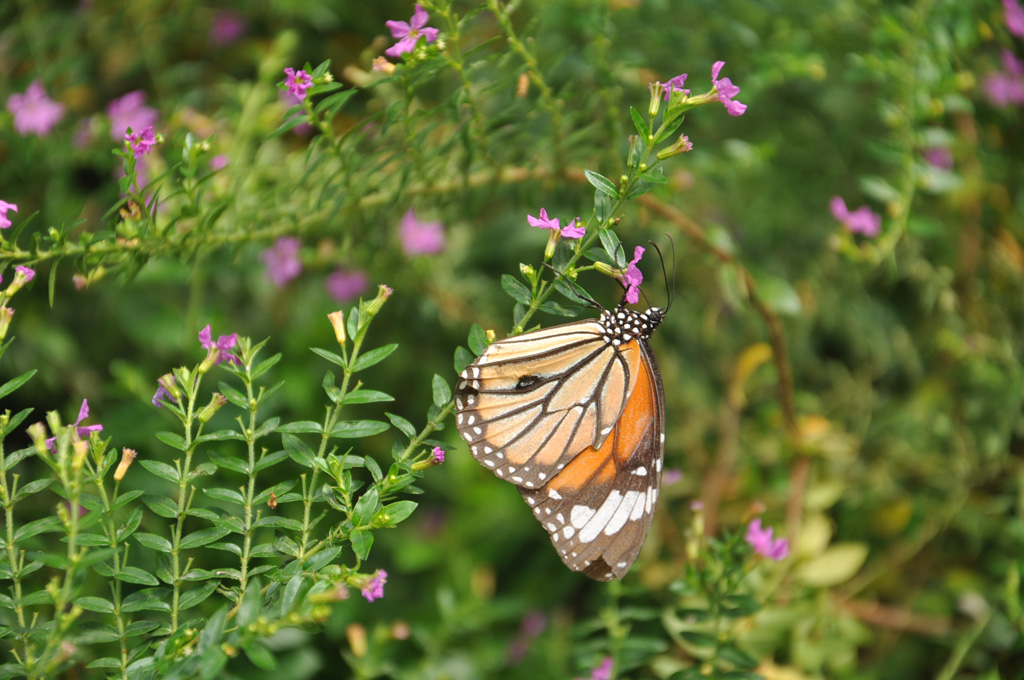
point(574, 416)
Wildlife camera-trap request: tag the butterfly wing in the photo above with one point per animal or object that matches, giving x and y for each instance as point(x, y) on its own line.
point(530, 404)
point(598, 509)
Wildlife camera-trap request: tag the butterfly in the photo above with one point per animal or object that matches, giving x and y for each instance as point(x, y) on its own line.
point(574, 416)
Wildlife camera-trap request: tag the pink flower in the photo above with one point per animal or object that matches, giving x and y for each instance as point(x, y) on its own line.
point(438, 454)
point(282, 260)
point(82, 431)
point(227, 27)
point(5, 222)
point(22, 275)
point(1014, 17)
point(420, 238)
point(604, 671)
point(675, 83)
point(130, 111)
point(374, 588)
point(297, 83)
point(346, 285)
point(940, 157)
point(408, 33)
point(141, 143)
point(726, 91)
point(218, 162)
point(763, 543)
point(671, 476)
point(574, 229)
point(633, 277)
point(860, 221)
point(34, 112)
point(224, 344)
point(544, 222)
point(1006, 87)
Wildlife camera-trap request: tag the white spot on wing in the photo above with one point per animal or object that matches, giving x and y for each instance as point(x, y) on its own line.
point(554, 494)
point(625, 509)
point(601, 518)
point(640, 471)
point(567, 531)
point(581, 514)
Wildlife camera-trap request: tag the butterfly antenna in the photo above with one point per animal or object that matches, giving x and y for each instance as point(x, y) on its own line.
point(669, 292)
point(580, 293)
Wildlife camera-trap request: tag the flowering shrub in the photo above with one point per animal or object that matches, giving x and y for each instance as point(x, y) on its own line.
point(266, 247)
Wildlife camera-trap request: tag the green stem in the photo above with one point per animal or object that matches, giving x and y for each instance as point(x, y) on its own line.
point(16, 560)
point(185, 493)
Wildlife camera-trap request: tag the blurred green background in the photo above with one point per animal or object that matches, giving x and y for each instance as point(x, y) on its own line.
point(905, 349)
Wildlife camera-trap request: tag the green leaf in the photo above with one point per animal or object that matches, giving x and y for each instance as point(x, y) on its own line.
point(654, 177)
point(366, 508)
point(106, 662)
point(39, 526)
point(270, 460)
point(602, 207)
point(257, 652)
point(402, 424)
point(136, 575)
point(230, 462)
point(393, 513)
point(95, 604)
point(203, 537)
point(552, 307)
point(611, 243)
point(301, 427)
point(737, 657)
point(477, 339)
point(229, 495)
point(366, 397)
point(838, 564)
point(639, 123)
point(154, 542)
point(171, 439)
point(161, 470)
point(463, 358)
point(374, 356)
point(778, 294)
point(354, 429)
point(148, 604)
point(131, 523)
point(31, 488)
point(442, 392)
point(638, 188)
point(602, 184)
point(330, 356)
point(190, 598)
point(161, 505)
point(141, 628)
point(265, 365)
point(516, 290)
point(298, 450)
point(362, 541)
point(15, 383)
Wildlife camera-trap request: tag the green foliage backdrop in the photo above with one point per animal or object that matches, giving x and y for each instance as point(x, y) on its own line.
point(861, 393)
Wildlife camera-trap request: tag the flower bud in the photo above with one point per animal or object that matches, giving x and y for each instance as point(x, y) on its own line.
point(211, 360)
point(374, 305)
point(682, 145)
point(22, 275)
point(657, 93)
point(491, 336)
point(79, 450)
point(356, 634)
point(383, 65)
point(168, 382)
point(38, 434)
point(6, 314)
point(549, 249)
point(337, 320)
point(127, 456)
point(216, 401)
point(527, 271)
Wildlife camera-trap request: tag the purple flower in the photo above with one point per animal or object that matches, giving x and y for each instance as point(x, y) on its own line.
point(141, 143)
point(27, 272)
point(5, 222)
point(940, 157)
point(1014, 17)
point(374, 588)
point(726, 91)
point(408, 33)
point(297, 83)
point(82, 431)
point(420, 238)
point(763, 543)
point(224, 343)
point(574, 229)
point(438, 454)
point(860, 221)
point(604, 671)
point(633, 277)
point(161, 396)
point(675, 83)
point(345, 285)
point(1006, 87)
point(130, 111)
point(282, 260)
point(544, 222)
point(227, 27)
point(671, 476)
point(218, 162)
point(33, 111)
